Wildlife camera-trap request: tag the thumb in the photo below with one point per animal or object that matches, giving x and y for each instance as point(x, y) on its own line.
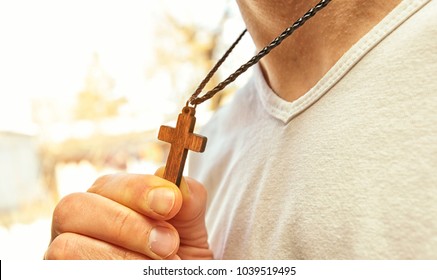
point(190, 221)
point(194, 197)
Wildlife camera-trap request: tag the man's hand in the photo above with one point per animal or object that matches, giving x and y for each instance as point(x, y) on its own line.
point(130, 216)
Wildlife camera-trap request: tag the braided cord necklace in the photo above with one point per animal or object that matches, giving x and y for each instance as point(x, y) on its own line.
point(182, 137)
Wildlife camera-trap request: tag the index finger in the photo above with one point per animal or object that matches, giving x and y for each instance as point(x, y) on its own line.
point(146, 194)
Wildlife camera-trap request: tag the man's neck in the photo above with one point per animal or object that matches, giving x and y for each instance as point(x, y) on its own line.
point(304, 58)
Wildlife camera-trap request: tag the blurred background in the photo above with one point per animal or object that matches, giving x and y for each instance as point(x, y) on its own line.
point(84, 86)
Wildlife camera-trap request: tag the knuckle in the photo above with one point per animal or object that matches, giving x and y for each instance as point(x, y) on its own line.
point(65, 207)
point(122, 223)
point(61, 248)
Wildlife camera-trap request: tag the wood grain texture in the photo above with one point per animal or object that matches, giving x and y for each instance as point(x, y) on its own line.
point(181, 139)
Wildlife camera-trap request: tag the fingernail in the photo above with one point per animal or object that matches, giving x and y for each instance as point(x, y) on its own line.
point(161, 200)
point(162, 241)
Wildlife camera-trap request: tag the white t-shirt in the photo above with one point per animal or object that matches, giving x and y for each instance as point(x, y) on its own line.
point(347, 171)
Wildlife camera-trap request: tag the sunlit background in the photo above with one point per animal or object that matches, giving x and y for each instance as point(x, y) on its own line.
point(84, 86)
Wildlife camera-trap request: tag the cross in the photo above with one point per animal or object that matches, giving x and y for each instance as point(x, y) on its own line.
point(181, 139)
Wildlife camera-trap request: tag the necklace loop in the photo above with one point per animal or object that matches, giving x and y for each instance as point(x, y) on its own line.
point(195, 99)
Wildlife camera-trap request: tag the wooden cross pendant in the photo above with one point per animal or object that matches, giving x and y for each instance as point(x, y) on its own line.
point(181, 139)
